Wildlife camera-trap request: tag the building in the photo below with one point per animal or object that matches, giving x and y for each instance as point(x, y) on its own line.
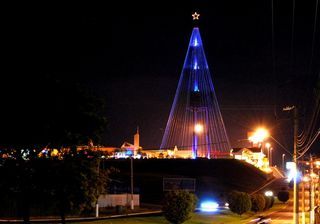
point(125, 150)
point(253, 155)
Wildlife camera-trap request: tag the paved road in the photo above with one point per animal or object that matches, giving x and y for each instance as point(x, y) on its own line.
point(284, 216)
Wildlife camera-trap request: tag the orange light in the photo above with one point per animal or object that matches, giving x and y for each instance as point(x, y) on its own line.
point(259, 135)
point(198, 128)
point(306, 179)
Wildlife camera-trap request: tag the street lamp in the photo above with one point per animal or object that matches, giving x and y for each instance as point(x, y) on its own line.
point(283, 155)
point(259, 135)
point(198, 128)
point(131, 166)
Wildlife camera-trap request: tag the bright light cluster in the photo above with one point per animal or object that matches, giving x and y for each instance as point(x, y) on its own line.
point(268, 193)
point(293, 172)
point(209, 206)
point(195, 43)
point(259, 135)
point(198, 128)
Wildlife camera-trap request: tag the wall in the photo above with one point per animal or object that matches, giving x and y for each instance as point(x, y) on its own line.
point(112, 200)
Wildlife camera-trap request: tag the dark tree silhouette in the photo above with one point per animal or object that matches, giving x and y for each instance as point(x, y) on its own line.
point(52, 110)
point(283, 196)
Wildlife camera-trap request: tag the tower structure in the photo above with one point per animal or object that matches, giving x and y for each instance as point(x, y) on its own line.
point(195, 122)
point(136, 139)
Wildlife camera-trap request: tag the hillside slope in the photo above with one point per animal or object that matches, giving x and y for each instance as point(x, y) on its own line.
point(214, 178)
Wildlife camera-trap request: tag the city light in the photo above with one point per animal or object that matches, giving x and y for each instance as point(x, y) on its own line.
point(313, 175)
point(306, 179)
point(259, 135)
point(198, 128)
point(293, 173)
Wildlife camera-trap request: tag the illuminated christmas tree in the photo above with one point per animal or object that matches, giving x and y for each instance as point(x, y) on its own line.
point(195, 122)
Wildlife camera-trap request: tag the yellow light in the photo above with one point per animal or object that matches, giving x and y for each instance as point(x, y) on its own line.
point(259, 135)
point(305, 179)
point(313, 175)
point(54, 152)
point(198, 128)
point(195, 16)
point(268, 145)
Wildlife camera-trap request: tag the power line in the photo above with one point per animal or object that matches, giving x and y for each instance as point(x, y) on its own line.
point(313, 36)
point(292, 32)
point(309, 146)
point(281, 145)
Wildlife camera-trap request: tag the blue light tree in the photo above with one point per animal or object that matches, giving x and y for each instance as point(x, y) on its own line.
point(195, 122)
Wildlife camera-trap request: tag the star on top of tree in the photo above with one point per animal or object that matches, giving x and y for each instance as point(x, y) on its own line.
point(195, 16)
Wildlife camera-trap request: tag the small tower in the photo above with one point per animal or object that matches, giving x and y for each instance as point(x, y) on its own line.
point(136, 141)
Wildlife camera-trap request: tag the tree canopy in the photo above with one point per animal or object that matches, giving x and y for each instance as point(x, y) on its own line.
point(51, 186)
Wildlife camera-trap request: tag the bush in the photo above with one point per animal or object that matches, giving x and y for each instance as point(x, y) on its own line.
point(239, 202)
point(283, 196)
point(178, 206)
point(268, 202)
point(120, 209)
point(258, 202)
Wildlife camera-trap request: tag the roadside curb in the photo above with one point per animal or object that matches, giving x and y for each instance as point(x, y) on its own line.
point(82, 219)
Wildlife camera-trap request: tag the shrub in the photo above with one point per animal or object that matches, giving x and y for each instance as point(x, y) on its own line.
point(239, 202)
point(120, 209)
point(258, 202)
point(283, 196)
point(178, 206)
point(268, 202)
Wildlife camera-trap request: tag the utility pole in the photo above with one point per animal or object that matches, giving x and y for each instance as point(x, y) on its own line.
point(295, 184)
point(131, 165)
point(303, 203)
point(97, 202)
point(311, 192)
point(283, 155)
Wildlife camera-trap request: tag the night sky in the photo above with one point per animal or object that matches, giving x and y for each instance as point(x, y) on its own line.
point(132, 55)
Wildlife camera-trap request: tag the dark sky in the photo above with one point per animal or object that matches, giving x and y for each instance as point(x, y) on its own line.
point(132, 56)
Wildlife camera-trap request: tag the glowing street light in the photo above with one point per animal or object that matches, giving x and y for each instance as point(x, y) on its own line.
point(198, 128)
point(259, 135)
point(268, 145)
